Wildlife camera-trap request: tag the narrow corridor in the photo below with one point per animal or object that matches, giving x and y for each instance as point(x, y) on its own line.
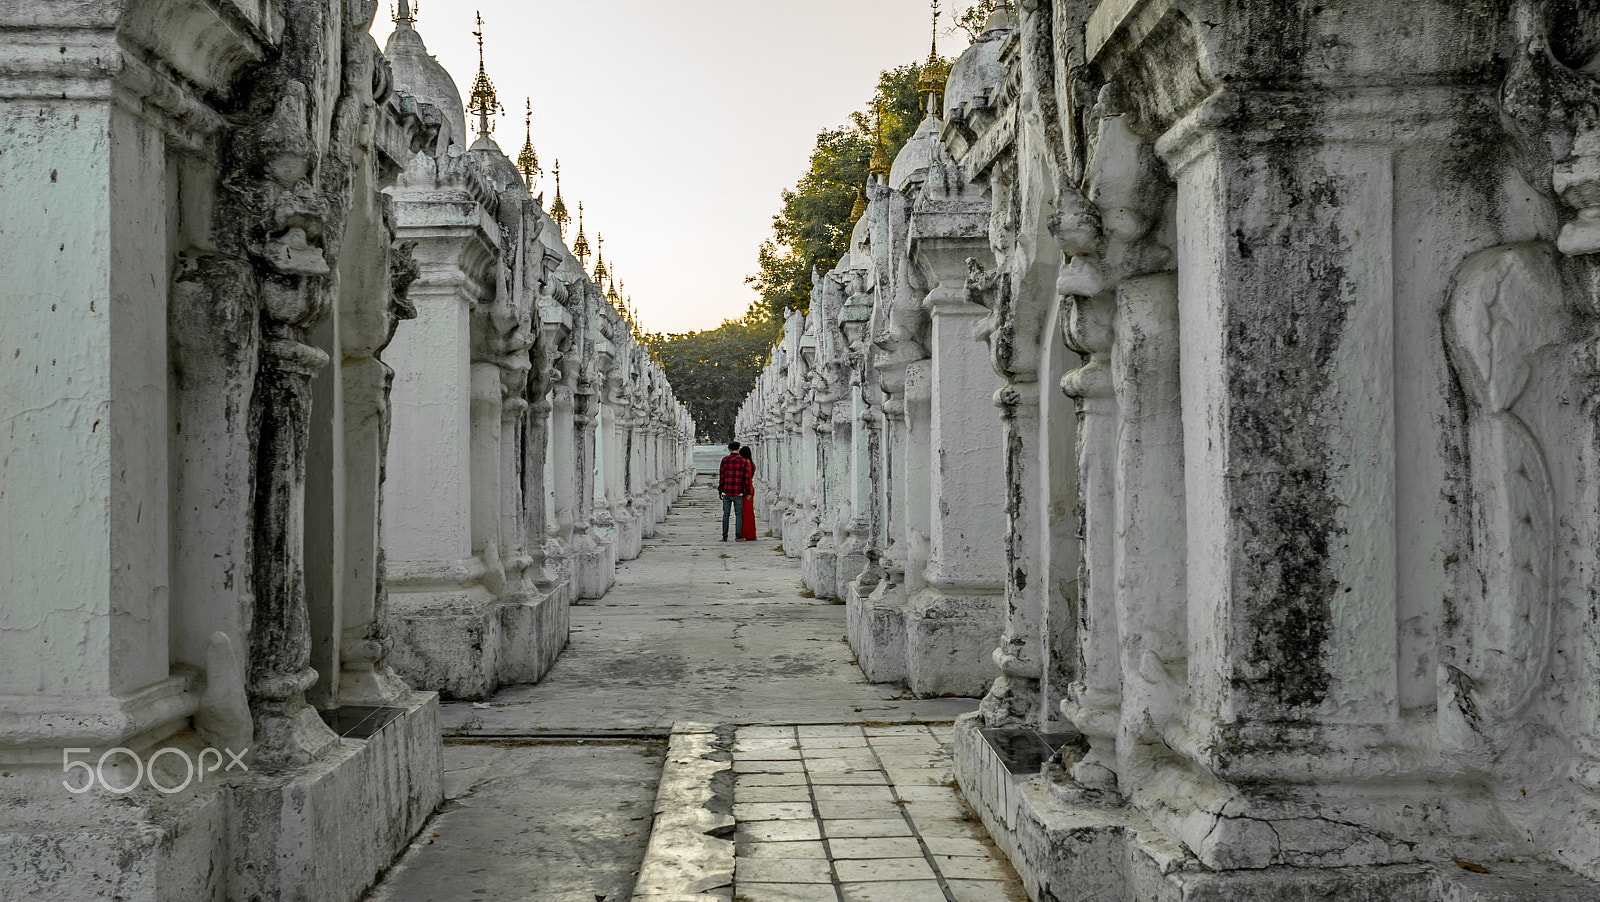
point(550, 788)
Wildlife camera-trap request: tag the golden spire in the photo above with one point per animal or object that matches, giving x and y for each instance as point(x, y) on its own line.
point(580, 247)
point(612, 295)
point(528, 160)
point(558, 210)
point(929, 86)
point(484, 103)
point(880, 164)
point(600, 264)
point(860, 209)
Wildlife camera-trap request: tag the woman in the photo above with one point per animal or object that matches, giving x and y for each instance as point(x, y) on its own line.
point(748, 533)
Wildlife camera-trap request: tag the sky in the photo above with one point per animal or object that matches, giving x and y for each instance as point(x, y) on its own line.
point(678, 123)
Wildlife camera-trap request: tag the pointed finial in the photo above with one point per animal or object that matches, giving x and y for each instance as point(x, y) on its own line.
point(483, 103)
point(528, 160)
point(600, 264)
point(880, 165)
point(558, 209)
point(580, 247)
point(860, 209)
point(612, 295)
point(929, 87)
point(407, 13)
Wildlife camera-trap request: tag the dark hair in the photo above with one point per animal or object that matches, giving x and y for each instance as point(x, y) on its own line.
point(747, 454)
point(733, 446)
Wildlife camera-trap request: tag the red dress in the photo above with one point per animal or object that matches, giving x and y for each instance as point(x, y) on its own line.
point(749, 531)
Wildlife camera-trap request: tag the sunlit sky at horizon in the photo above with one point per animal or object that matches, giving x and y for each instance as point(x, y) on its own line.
point(678, 123)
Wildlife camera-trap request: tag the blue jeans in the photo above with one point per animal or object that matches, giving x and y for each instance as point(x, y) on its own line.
point(734, 503)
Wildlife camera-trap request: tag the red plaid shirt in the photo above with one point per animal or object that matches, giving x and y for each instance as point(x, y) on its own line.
point(736, 475)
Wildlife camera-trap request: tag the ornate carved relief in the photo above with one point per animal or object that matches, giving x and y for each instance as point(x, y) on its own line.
point(1503, 302)
point(1552, 99)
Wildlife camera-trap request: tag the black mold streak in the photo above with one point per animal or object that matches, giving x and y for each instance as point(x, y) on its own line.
point(1281, 360)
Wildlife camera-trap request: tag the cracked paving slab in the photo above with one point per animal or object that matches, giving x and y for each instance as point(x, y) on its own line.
point(553, 821)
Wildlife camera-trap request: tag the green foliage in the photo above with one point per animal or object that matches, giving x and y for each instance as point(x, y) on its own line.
point(713, 371)
point(813, 230)
point(976, 15)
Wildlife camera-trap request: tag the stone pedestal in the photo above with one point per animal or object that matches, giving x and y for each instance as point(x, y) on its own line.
point(291, 835)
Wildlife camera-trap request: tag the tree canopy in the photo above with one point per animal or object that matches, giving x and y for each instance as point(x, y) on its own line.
point(812, 231)
point(977, 15)
point(713, 371)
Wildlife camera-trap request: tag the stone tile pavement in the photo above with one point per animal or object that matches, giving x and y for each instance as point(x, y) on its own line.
point(835, 812)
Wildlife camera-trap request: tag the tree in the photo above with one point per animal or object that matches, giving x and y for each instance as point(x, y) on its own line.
point(712, 372)
point(977, 15)
point(812, 232)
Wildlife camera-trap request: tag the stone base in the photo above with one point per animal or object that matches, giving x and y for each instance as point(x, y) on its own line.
point(597, 571)
point(877, 630)
point(819, 567)
point(466, 647)
point(1068, 852)
point(794, 535)
point(324, 831)
point(149, 848)
point(950, 642)
point(328, 830)
point(630, 538)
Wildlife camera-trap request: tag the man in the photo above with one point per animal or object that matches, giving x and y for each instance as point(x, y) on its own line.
point(733, 483)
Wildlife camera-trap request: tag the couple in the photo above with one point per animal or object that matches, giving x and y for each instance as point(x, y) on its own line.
point(736, 484)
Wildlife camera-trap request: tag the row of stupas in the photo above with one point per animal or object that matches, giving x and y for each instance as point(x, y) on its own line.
point(517, 343)
point(307, 414)
point(1210, 388)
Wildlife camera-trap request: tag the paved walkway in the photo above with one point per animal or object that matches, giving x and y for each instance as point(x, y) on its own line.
point(551, 787)
point(860, 814)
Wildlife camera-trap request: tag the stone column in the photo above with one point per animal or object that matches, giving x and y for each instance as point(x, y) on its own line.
point(797, 527)
point(514, 410)
point(487, 423)
point(919, 456)
point(1013, 699)
point(860, 550)
point(956, 619)
point(1094, 705)
point(563, 470)
point(638, 477)
point(878, 633)
point(288, 731)
point(596, 559)
point(535, 483)
point(618, 428)
point(365, 677)
point(1150, 572)
point(548, 333)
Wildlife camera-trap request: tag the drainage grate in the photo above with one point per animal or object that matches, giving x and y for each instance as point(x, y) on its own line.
point(359, 721)
point(1023, 752)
